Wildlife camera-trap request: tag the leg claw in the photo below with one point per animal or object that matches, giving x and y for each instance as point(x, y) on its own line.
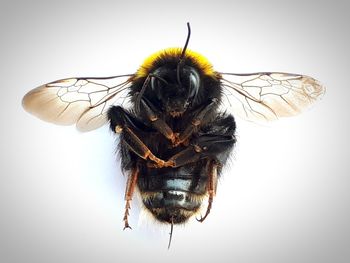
point(127, 226)
point(201, 219)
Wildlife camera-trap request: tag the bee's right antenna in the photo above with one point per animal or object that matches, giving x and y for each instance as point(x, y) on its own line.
point(183, 53)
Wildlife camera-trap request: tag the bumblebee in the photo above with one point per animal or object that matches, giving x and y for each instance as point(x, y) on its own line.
point(174, 121)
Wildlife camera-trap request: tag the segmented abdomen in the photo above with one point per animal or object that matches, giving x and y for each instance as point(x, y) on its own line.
point(173, 193)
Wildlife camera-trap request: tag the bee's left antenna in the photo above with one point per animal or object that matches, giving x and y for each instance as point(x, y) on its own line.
point(187, 40)
point(183, 54)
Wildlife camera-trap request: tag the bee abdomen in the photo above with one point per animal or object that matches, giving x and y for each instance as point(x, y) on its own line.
point(171, 198)
point(187, 183)
point(171, 205)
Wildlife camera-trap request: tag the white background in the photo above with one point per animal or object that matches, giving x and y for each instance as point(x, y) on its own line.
point(283, 198)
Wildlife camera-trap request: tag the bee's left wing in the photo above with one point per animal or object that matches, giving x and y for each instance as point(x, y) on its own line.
point(266, 96)
point(80, 101)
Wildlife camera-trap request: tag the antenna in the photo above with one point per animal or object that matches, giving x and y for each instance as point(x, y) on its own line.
point(183, 54)
point(187, 40)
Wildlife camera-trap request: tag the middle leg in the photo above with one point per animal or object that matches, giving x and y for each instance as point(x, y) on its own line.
point(124, 122)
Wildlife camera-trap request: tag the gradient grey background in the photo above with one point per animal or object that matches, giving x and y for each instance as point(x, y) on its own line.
point(285, 196)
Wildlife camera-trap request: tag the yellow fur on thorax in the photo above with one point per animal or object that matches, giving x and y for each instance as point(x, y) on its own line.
point(202, 62)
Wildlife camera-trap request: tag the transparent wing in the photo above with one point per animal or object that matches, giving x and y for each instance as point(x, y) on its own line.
point(266, 96)
point(80, 101)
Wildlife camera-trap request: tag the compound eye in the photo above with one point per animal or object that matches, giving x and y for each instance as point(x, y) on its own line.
point(194, 83)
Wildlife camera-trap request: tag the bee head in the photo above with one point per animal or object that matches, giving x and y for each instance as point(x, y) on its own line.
point(176, 86)
point(175, 97)
point(172, 79)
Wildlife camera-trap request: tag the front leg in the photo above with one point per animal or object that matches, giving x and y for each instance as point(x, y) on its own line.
point(122, 121)
point(197, 121)
point(153, 116)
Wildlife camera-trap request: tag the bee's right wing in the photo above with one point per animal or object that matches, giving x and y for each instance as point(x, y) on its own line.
point(80, 101)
